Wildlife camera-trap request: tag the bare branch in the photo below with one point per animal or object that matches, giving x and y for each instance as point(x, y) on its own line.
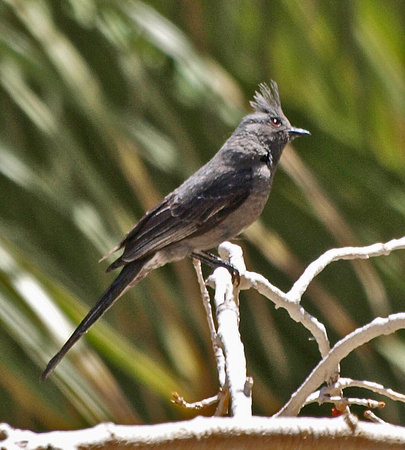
point(320, 397)
point(294, 309)
point(226, 299)
point(218, 353)
point(373, 418)
point(230, 355)
point(316, 267)
point(177, 400)
point(219, 432)
point(360, 336)
point(227, 313)
point(232, 374)
point(344, 383)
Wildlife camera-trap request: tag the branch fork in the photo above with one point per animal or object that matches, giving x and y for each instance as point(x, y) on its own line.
point(236, 386)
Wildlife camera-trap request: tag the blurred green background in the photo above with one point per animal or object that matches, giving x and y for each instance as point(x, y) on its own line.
point(105, 107)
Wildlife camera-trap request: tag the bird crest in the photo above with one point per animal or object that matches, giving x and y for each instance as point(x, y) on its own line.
point(268, 99)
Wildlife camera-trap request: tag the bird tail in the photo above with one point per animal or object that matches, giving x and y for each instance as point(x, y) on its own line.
point(128, 274)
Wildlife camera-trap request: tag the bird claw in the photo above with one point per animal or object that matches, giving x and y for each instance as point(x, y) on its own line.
point(235, 276)
point(214, 261)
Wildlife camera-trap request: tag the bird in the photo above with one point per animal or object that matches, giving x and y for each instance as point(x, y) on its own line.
point(215, 204)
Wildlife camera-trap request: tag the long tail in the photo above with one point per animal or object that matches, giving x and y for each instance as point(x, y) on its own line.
point(117, 288)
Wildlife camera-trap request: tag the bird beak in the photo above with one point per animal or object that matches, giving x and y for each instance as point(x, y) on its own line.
point(296, 132)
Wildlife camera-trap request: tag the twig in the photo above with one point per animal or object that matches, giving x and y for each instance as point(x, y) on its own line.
point(177, 400)
point(316, 267)
point(319, 397)
point(223, 403)
point(373, 418)
point(218, 353)
point(344, 383)
point(345, 346)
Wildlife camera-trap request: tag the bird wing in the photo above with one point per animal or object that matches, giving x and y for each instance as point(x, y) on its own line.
point(190, 210)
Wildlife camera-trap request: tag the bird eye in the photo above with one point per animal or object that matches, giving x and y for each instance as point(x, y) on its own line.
point(275, 121)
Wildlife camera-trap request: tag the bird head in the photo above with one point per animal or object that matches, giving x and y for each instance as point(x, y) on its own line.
point(269, 115)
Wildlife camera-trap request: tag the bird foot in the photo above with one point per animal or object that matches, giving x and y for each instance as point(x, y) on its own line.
point(215, 261)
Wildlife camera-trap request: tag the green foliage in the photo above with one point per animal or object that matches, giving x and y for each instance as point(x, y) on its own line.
point(105, 107)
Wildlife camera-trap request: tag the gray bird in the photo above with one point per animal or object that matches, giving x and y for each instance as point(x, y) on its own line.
point(215, 204)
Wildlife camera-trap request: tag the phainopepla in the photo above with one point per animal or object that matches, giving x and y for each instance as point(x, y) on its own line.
point(215, 204)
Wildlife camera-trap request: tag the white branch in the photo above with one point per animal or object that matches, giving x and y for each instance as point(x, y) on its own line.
point(318, 397)
point(373, 418)
point(227, 312)
point(344, 383)
point(226, 298)
point(326, 394)
point(328, 369)
point(294, 309)
point(251, 431)
point(360, 336)
point(316, 267)
point(220, 432)
point(177, 400)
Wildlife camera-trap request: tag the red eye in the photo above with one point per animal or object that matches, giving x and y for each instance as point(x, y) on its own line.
point(275, 121)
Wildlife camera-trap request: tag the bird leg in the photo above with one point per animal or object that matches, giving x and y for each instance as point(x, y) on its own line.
point(215, 262)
